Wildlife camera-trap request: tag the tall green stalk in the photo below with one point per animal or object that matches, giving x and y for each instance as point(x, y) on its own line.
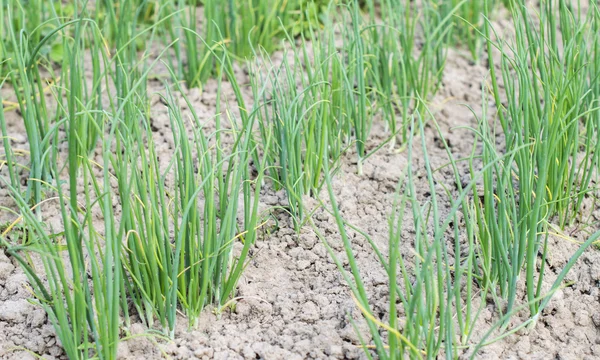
point(81, 287)
point(430, 292)
point(548, 122)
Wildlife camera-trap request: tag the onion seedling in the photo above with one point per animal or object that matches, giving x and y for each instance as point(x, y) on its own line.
point(548, 121)
point(181, 236)
point(431, 292)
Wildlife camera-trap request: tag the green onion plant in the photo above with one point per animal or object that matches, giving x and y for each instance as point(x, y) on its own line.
point(391, 73)
point(179, 252)
point(429, 290)
point(299, 107)
point(79, 283)
point(24, 75)
point(242, 25)
point(550, 127)
point(467, 20)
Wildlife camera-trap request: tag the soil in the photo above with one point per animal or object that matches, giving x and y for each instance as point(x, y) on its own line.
point(292, 302)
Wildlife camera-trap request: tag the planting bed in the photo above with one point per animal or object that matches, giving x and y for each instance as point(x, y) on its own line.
point(292, 301)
